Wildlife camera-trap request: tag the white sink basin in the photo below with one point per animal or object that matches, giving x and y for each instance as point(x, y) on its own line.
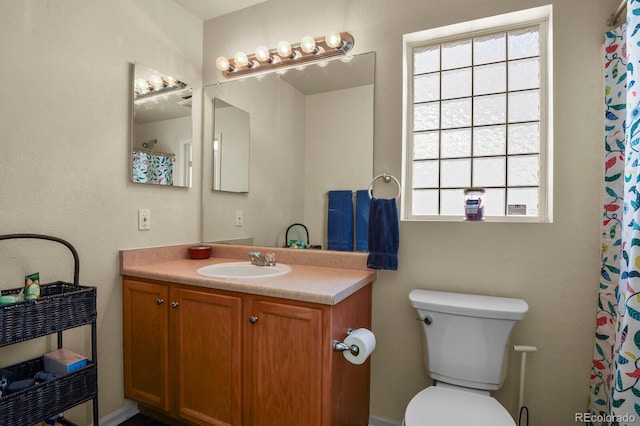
point(242, 270)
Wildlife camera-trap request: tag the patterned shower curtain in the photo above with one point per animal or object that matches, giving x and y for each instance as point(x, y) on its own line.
point(152, 168)
point(615, 376)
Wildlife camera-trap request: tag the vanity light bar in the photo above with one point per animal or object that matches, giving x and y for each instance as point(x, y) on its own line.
point(156, 83)
point(175, 90)
point(286, 55)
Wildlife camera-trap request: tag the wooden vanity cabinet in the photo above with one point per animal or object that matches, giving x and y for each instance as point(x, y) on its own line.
point(283, 364)
point(224, 358)
point(182, 352)
point(146, 343)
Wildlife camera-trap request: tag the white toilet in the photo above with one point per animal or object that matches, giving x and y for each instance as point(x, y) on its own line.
point(467, 345)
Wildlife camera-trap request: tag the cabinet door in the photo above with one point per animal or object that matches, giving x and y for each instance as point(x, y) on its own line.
point(146, 343)
point(284, 359)
point(207, 339)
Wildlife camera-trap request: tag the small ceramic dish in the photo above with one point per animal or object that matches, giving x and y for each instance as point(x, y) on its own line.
point(199, 252)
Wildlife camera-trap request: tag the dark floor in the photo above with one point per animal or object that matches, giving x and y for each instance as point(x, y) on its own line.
point(142, 420)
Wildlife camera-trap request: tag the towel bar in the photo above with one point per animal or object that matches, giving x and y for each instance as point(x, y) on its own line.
point(386, 178)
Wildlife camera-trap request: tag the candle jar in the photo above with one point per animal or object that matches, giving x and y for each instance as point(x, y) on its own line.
point(473, 207)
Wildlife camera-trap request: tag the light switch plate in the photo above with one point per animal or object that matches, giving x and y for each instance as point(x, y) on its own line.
point(144, 219)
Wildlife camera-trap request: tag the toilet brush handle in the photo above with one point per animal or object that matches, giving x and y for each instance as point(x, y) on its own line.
point(523, 348)
point(523, 362)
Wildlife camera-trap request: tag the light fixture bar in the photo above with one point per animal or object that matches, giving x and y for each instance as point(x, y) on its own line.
point(280, 58)
point(174, 90)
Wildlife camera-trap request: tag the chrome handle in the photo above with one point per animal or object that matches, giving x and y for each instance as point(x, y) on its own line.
point(339, 346)
point(253, 319)
point(159, 302)
point(175, 305)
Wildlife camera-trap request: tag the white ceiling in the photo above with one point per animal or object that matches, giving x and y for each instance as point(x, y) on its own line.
point(209, 9)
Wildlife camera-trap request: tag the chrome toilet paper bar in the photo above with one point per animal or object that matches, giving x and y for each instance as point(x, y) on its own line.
point(357, 346)
point(339, 346)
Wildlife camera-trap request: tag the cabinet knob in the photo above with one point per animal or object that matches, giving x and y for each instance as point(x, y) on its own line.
point(159, 301)
point(253, 319)
point(175, 305)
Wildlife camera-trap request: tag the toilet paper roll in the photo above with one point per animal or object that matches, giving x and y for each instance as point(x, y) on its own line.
point(365, 340)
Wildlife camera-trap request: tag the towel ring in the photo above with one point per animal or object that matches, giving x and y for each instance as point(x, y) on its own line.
point(386, 178)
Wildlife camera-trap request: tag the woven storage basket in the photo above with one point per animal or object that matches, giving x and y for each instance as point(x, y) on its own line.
point(61, 306)
point(31, 405)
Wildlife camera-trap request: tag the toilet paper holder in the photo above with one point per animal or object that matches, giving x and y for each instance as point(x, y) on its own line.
point(339, 346)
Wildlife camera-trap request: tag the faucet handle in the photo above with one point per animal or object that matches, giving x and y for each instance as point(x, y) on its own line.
point(270, 258)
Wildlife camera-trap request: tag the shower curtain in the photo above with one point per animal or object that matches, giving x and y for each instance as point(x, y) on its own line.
point(615, 375)
point(151, 167)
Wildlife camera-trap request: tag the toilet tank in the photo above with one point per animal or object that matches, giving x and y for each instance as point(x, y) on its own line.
point(467, 336)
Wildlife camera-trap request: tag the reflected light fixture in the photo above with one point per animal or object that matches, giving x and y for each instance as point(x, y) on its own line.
point(286, 55)
point(157, 85)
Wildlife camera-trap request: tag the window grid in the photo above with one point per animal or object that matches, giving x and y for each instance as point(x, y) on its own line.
point(506, 123)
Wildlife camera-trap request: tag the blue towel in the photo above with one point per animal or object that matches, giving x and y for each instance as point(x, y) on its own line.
point(384, 234)
point(340, 221)
point(362, 219)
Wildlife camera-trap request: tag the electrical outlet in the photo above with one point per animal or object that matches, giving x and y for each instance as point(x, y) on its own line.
point(239, 218)
point(144, 219)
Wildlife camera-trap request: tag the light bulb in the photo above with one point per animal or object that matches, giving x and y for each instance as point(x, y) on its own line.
point(141, 85)
point(262, 54)
point(333, 40)
point(284, 49)
point(222, 63)
point(241, 59)
point(170, 80)
point(156, 81)
point(308, 44)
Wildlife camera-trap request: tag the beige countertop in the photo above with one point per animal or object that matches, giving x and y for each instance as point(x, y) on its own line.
point(325, 277)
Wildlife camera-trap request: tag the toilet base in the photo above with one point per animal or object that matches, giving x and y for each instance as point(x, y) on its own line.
point(454, 406)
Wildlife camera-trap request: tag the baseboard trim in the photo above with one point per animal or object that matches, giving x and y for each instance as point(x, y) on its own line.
point(131, 409)
point(376, 421)
point(120, 415)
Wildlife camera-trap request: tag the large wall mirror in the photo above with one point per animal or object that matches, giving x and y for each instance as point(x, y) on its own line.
point(311, 131)
point(161, 151)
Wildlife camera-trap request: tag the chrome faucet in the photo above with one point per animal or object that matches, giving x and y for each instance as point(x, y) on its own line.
point(260, 260)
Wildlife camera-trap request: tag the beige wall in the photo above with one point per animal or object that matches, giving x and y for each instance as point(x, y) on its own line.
point(554, 267)
point(65, 123)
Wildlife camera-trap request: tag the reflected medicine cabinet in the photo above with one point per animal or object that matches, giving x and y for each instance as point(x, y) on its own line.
point(230, 145)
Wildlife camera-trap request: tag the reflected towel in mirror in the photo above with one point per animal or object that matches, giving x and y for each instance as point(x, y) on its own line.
point(340, 221)
point(362, 219)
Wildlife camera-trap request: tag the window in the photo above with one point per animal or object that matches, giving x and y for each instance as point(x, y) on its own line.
point(477, 114)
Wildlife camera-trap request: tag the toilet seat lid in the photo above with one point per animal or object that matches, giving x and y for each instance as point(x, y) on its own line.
point(438, 405)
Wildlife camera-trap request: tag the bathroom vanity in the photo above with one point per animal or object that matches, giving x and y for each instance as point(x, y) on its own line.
point(245, 351)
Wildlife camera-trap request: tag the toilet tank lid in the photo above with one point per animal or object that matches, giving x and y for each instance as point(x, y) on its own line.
point(474, 305)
